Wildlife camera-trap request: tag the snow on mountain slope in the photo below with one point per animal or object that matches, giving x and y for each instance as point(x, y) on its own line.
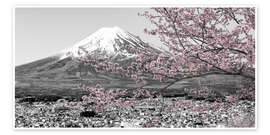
point(111, 42)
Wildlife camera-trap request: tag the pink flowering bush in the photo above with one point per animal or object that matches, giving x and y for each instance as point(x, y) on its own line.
point(99, 98)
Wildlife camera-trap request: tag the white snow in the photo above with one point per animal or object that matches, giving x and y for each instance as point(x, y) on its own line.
point(103, 40)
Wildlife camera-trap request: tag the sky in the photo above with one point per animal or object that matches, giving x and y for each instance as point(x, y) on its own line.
point(42, 32)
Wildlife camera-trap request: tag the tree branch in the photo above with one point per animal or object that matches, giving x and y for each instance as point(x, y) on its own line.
point(174, 27)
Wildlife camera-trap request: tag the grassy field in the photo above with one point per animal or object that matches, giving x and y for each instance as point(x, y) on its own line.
point(67, 88)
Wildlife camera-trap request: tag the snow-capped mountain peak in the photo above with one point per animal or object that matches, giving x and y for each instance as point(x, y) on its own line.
point(112, 42)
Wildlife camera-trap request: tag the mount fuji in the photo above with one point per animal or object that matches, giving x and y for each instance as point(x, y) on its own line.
point(110, 43)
